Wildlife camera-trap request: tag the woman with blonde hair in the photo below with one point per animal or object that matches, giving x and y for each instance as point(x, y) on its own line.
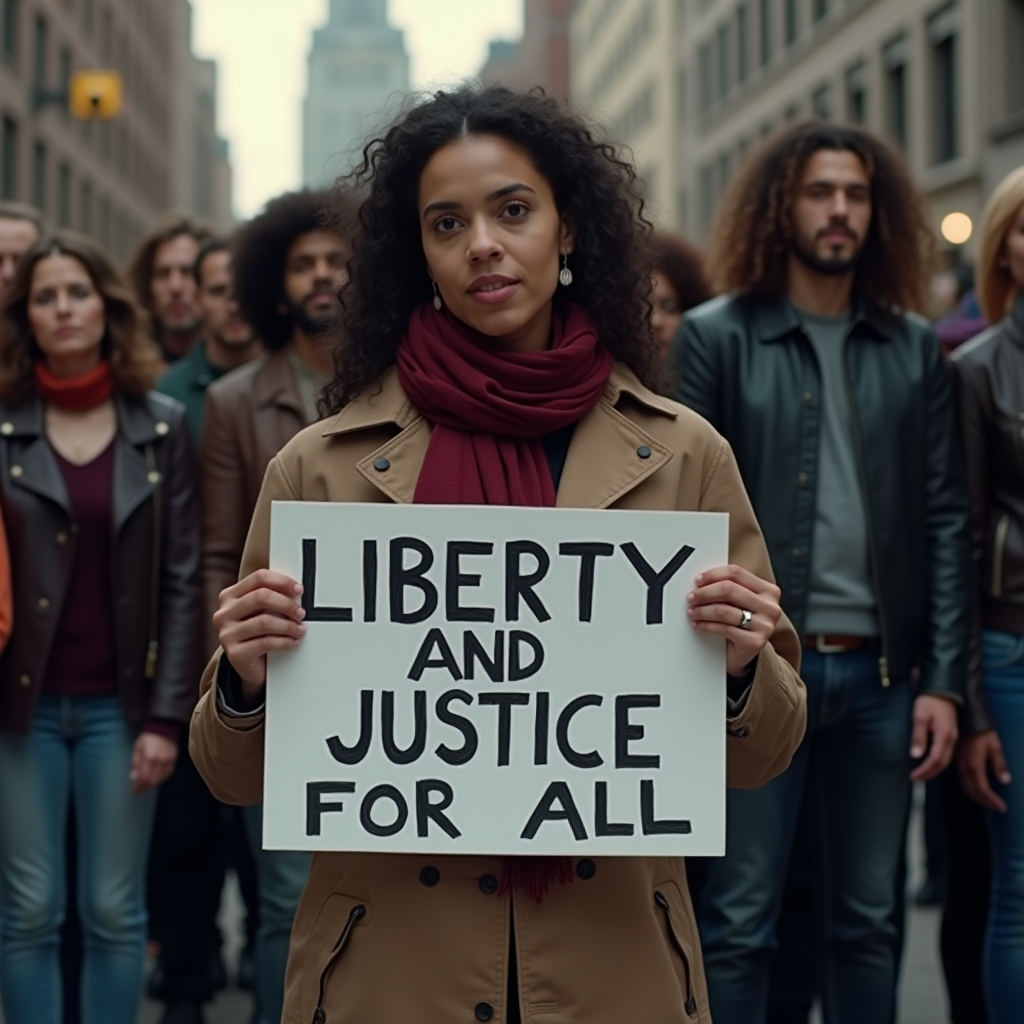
point(988, 374)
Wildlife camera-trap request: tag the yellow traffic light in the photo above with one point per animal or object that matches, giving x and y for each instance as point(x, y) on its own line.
point(95, 95)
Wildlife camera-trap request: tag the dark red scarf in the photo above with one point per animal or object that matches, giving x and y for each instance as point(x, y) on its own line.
point(489, 410)
point(85, 391)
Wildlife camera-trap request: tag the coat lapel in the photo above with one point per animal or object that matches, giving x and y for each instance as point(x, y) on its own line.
point(134, 479)
point(35, 469)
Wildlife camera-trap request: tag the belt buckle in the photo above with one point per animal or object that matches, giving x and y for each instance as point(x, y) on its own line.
point(823, 648)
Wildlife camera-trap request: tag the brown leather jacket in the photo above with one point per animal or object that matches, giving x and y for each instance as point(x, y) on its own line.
point(156, 527)
point(375, 939)
point(251, 414)
point(988, 380)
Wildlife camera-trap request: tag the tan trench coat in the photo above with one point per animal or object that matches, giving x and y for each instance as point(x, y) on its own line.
point(391, 939)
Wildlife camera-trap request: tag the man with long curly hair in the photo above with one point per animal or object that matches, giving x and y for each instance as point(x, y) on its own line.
point(836, 400)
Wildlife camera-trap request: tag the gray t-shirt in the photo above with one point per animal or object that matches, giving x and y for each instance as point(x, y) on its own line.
point(842, 597)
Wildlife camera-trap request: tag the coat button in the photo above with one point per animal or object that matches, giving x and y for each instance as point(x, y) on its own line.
point(25, 681)
point(430, 876)
point(61, 538)
point(808, 398)
point(586, 869)
point(797, 553)
point(153, 477)
point(6, 429)
point(802, 479)
point(161, 428)
point(381, 464)
point(644, 452)
point(484, 1011)
point(16, 471)
point(43, 603)
point(488, 885)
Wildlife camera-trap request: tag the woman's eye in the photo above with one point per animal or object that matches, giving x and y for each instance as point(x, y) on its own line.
point(80, 292)
point(446, 224)
point(516, 210)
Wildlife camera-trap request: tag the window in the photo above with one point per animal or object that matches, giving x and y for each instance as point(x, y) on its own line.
point(107, 37)
point(11, 28)
point(1014, 48)
point(104, 222)
point(88, 16)
point(791, 11)
point(722, 55)
point(65, 68)
point(821, 102)
point(85, 207)
point(943, 30)
point(857, 94)
point(39, 175)
point(766, 11)
point(742, 42)
point(706, 190)
point(897, 89)
point(9, 159)
point(704, 76)
point(64, 196)
point(819, 9)
point(40, 48)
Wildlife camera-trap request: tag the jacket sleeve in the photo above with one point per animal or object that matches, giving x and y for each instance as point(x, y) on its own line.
point(696, 370)
point(228, 750)
point(225, 516)
point(947, 525)
point(972, 407)
point(180, 634)
point(764, 736)
point(6, 596)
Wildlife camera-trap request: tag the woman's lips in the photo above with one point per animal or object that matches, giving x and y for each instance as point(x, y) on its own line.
point(494, 295)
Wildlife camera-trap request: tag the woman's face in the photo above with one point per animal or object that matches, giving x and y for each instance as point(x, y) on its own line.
point(667, 311)
point(1014, 250)
point(66, 313)
point(493, 239)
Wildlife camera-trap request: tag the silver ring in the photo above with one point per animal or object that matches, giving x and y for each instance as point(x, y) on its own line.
point(746, 618)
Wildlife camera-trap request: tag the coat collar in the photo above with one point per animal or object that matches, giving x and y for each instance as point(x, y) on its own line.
point(274, 384)
point(777, 319)
point(602, 464)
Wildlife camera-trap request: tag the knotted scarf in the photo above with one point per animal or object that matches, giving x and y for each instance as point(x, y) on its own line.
point(489, 410)
point(85, 391)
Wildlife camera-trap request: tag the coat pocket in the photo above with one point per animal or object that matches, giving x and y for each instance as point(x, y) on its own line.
point(342, 928)
point(672, 913)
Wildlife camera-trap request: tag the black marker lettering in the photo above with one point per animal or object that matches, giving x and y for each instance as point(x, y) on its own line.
point(626, 732)
point(602, 826)
point(504, 702)
point(464, 725)
point(427, 812)
point(314, 614)
point(353, 755)
point(402, 577)
point(565, 748)
point(545, 811)
point(650, 825)
point(316, 808)
point(414, 751)
point(588, 554)
point(516, 670)
point(519, 585)
point(445, 658)
point(656, 581)
point(455, 579)
point(369, 581)
point(540, 728)
point(473, 650)
point(383, 792)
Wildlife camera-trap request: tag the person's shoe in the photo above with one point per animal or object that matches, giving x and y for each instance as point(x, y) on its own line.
point(183, 1011)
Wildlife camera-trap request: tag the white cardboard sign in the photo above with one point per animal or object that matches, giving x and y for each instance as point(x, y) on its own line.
point(480, 680)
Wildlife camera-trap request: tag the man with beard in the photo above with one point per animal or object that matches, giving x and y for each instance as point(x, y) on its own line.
point(161, 274)
point(836, 401)
point(288, 269)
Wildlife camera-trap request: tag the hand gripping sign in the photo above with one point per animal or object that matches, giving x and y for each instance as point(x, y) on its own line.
point(481, 680)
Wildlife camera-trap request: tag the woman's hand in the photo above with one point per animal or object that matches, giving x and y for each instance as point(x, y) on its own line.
point(257, 615)
point(717, 605)
point(974, 756)
point(153, 759)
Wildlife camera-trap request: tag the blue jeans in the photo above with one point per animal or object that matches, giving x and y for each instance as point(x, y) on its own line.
point(281, 876)
point(1004, 940)
point(79, 750)
point(853, 767)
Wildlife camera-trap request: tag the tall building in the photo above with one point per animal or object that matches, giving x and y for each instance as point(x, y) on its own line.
point(357, 64)
point(943, 80)
point(541, 57)
point(108, 179)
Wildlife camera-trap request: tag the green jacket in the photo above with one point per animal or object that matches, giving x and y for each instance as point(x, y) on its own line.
point(187, 381)
point(745, 364)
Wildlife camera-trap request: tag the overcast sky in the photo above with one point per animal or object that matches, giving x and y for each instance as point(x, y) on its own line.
point(261, 48)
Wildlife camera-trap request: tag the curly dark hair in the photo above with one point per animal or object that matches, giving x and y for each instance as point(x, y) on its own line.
point(683, 264)
point(134, 358)
point(596, 191)
point(259, 251)
point(751, 239)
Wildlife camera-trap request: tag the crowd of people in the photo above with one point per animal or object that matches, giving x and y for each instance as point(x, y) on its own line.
point(480, 314)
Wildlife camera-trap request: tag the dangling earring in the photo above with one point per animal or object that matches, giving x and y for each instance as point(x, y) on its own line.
point(437, 297)
point(565, 274)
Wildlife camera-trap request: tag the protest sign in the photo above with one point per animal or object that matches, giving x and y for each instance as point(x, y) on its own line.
point(496, 681)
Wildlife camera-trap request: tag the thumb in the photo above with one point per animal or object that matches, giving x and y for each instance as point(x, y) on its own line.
point(919, 737)
point(1000, 769)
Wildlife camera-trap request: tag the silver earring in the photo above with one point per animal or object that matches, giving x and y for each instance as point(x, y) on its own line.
point(437, 297)
point(565, 274)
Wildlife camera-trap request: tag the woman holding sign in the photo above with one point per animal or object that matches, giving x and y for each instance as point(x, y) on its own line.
point(497, 350)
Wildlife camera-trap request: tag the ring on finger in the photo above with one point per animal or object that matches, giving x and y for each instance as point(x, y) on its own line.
point(746, 618)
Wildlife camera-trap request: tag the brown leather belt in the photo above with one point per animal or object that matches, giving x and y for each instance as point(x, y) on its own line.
point(827, 643)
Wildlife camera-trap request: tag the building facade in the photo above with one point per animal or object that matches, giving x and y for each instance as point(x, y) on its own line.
point(943, 80)
point(541, 57)
point(107, 179)
point(357, 67)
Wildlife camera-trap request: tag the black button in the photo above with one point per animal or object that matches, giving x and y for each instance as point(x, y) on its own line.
point(586, 869)
point(381, 464)
point(484, 1011)
point(488, 885)
point(430, 876)
point(644, 452)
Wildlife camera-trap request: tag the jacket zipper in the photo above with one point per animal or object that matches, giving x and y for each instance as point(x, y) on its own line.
point(358, 911)
point(691, 1002)
point(858, 445)
point(998, 554)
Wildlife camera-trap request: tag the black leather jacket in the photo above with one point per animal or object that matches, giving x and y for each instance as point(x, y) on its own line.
point(746, 365)
point(156, 553)
point(988, 380)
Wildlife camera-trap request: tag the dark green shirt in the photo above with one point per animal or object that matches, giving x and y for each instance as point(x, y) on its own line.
point(187, 381)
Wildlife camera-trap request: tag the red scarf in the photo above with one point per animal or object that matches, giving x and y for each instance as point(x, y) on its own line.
point(489, 410)
point(85, 391)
